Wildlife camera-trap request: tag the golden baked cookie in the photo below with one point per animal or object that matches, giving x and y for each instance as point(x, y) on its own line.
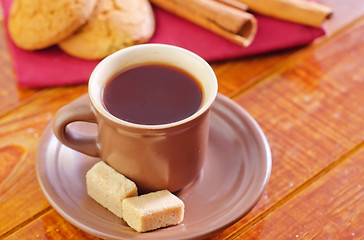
point(36, 24)
point(115, 24)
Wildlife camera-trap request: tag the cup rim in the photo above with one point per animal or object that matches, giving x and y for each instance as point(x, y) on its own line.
point(100, 108)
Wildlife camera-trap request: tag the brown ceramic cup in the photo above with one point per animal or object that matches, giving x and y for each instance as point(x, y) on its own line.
point(167, 156)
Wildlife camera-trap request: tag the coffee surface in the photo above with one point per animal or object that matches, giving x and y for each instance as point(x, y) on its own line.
point(152, 94)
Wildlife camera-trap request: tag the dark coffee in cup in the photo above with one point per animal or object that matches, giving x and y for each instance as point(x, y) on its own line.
point(152, 94)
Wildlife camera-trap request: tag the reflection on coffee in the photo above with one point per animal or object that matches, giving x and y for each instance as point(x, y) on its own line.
point(152, 94)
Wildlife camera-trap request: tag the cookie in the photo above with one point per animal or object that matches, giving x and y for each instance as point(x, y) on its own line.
point(115, 24)
point(37, 24)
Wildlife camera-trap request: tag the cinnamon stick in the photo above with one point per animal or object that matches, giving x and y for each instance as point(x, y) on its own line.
point(233, 3)
point(229, 22)
point(299, 11)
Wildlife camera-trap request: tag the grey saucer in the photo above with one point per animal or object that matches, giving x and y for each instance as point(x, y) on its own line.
point(231, 182)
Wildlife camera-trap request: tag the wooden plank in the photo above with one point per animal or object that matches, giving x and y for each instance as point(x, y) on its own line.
point(312, 113)
point(329, 208)
point(20, 132)
point(238, 74)
point(10, 95)
point(51, 226)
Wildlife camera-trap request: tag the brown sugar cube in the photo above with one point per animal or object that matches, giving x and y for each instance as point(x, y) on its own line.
point(153, 210)
point(108, 187)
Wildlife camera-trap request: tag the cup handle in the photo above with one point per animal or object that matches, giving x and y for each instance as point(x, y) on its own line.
point(75, 112)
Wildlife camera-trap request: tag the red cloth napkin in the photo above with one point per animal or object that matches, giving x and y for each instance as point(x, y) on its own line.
point(52, 67)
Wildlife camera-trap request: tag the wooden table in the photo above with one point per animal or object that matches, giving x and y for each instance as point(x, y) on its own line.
point(308, 101)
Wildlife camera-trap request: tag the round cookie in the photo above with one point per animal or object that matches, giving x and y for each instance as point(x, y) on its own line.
point(37, 24)
point(115, 24)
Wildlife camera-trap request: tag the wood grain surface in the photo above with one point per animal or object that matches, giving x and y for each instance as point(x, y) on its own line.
point(309, 102)
point(312, 114)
